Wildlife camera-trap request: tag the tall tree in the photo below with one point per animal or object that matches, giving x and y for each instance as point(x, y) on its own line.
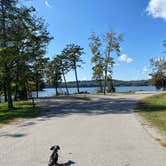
point(38, 73)
point(102, 56)
point(40, 38)
point(112, 45)
point(97, 60)
point(65, 68)
point(159, 73)
point(8, 11)
point(23, 41)
point(54, 73)
point(74, 53)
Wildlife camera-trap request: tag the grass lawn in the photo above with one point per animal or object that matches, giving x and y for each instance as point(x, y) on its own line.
point(22, 110)
point(153, 110)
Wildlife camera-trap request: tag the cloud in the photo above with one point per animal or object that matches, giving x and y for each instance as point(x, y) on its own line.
point(125, 58)
point(145, 70)
point(157, 9)
point(85, 79)
point(47, 4)
point(116, 64)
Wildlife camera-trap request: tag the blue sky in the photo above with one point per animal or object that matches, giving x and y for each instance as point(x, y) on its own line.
point(142, 22)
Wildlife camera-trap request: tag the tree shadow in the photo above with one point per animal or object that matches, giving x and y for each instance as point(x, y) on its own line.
point(13, 135)
point(100, 106)
point(69, 163)
point(26, 124)
point(149, 107)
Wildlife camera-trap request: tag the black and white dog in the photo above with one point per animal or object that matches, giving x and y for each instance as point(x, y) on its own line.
point(54, 156)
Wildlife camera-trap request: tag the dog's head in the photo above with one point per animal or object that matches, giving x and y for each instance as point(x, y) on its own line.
point(55, 148)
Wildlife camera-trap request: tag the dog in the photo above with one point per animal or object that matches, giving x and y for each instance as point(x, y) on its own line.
point(54, 156)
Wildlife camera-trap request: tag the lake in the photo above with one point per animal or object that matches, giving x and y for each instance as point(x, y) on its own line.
point(48, 92)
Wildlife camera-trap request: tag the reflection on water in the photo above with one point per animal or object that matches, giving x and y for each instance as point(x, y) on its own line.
point(48, 92)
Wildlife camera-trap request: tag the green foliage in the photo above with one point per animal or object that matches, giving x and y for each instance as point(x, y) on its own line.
point(55, 73)
point(23, 41)
point(159, 74)
point(64, 67)
point(73, 54)
point(97, 60)
point(102, 57)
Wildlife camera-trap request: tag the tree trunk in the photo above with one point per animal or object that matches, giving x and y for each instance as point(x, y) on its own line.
point(4, 44)
point(37, 94)
point(37, 88)
point(5, 91)
point(75, 70)
point(23, 93)
point(0, 90)
point(9, 93)
point(67, 91)
point(16, 88)
point(105, 81)
point(56, 88)
point(164, 85)
point(101, 86)
point(16, 93)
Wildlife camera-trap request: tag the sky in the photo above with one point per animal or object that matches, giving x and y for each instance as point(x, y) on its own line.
point(142, 22)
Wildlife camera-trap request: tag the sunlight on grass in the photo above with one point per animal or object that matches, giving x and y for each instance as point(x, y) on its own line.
point(153, 110)
point(22, 110)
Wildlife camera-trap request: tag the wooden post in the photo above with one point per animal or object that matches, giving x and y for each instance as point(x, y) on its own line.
point(33, 102)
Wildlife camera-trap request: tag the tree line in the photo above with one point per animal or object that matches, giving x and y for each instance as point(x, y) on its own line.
point(23, 41)
point(23, 66)
point(24, 38)
point(95, 83)
point(69, 59)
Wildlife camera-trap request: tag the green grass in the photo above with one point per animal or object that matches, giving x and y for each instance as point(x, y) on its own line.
point(153, 110)
point(22, 110)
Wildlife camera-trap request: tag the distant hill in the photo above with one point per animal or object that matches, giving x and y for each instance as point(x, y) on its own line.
point(94, 83)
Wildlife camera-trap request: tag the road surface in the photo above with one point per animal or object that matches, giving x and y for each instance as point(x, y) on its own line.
point(100, 132)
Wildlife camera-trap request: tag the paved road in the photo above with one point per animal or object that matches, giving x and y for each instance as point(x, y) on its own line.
point(101, 132)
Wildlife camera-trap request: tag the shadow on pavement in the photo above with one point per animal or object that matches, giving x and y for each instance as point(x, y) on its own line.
point(13, 135)
point(27, 124)
point(101, 106)
point(69, 163)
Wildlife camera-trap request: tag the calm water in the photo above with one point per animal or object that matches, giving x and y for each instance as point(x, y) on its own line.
point(51, 91)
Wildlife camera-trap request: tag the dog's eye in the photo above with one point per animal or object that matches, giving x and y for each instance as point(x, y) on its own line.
point(52, 148)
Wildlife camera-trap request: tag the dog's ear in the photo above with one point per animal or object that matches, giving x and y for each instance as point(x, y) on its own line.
point(58, 147)
point(52, 148)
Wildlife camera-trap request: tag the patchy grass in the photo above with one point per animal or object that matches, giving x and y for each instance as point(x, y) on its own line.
point(22, 110)
point(153, 110)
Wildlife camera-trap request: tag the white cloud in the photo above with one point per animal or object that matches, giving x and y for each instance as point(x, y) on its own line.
point(145, 70)
point(157, 9)
point(47, 4)
point(116, 64)
point(125, 58)
point(85, 79)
